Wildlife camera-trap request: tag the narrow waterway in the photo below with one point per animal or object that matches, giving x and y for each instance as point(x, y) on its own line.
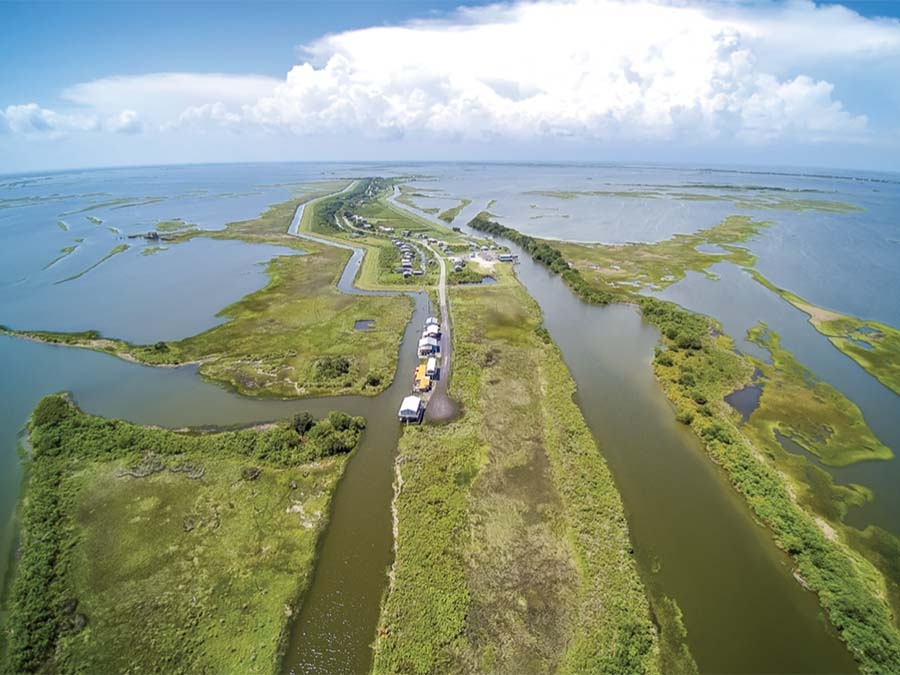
point(336, 626)
point(692, 532)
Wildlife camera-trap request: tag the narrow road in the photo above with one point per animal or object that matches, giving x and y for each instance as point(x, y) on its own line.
point(441, 406)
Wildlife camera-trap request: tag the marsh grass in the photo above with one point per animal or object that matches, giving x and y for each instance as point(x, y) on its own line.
point(148, 550)
point(664, 263)
point(753, 197)
point(63, 253)
point(450, 214)
point(875, 346)
point(116, 250)
point(512, 548)
point(809, 411)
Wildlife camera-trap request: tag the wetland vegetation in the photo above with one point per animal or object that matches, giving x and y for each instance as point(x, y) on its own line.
point(116, 250)
point(149, 550)
point(875, 346)
point(450, 214)
point(664, 263)
point(512, 546)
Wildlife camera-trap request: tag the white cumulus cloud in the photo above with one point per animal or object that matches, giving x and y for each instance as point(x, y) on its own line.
point(585, 68)
point(126, 122)
point(615, 70)
point(161, 97)
point(31, 119)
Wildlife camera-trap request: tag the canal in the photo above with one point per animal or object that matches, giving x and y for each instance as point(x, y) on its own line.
point(693, 534)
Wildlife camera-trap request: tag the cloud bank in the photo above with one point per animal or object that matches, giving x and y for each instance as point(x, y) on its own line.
point(585, 69)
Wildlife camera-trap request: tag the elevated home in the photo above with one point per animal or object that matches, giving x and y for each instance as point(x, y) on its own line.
point(423, 380)
point(411, 410)
point(506, 257)
point(431, 367)
point(429, 347)
point(432, 330)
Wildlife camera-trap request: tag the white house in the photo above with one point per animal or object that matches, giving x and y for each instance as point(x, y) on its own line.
point(432, 330)
point(428, 346)
point(411, 409)
point(431, 367)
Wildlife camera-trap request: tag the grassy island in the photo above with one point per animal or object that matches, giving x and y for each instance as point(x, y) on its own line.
point(116, 250)
point(149, 550)
point(664, 263)
point(450, 214)
point(513, 552)
point(875, 346)
point(697, 366)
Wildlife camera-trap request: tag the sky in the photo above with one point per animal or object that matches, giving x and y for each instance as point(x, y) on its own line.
point(776, 83)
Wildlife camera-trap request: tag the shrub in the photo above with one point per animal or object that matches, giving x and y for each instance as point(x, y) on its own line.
point(332, 367)
point(302, 422)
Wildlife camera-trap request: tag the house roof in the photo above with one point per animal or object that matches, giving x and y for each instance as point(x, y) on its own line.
point(411, 404)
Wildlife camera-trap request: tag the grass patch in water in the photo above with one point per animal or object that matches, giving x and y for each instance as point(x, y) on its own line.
point(175, 225)
point(63, 252)
point(664, 263)
point(749, 198)
point(148, 550)
point(512, 550)
point(408, 193)
point(121, 248)
point(875, 346)
point(450, 214)
point(810, 412)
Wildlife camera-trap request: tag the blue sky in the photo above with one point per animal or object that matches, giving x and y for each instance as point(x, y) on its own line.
point(782, 83)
